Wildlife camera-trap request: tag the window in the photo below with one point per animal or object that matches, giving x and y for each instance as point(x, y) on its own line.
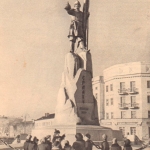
point(133, 101)
point(133, 114)
point(111, 87)
point(122, 101)
point(96, 88)
point(107, 102)
point(122, 129)
point(107, 115)
point(107, 88)
point(123, 114)
point(112, 115)
point(132, 86)
point(133, 130)
point(122, 85)
point(148, 98)
point(112, 101)
point(148, 84)
point(148, 114)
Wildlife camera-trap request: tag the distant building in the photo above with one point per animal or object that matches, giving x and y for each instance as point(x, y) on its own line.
point(45, 121)
point(13, 126)
point(126, 100)
point(23, 127)
point(4, 126)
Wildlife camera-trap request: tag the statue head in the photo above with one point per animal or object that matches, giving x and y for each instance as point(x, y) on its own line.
point(77, 4)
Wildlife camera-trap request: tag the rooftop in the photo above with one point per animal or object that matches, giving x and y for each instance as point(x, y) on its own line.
point(47, 116)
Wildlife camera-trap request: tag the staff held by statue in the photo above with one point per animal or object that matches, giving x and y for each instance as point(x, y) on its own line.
point(86, 21)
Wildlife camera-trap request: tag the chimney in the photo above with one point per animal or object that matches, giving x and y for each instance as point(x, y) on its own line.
point(46, 114)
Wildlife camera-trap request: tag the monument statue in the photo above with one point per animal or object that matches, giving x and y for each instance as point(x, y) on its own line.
point(76, 108)
point(75, 101)
point(77, 27)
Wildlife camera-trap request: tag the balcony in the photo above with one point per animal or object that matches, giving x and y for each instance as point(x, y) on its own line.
point(123, 106)
point(122, 91)
point(133, 90)
point(134, 106)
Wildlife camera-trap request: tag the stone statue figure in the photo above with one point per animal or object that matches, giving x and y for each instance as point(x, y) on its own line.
point(76, 31)
point(75, 101)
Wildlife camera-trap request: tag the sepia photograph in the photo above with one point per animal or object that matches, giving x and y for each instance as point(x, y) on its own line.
point(74, 75)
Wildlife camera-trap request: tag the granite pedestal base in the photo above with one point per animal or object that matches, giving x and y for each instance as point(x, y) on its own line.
point(96, 132)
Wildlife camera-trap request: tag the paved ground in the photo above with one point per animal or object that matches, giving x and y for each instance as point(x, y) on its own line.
point(135, 147)
point(19, 146)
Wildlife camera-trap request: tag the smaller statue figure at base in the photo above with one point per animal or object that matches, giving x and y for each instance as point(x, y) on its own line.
point(76, 32)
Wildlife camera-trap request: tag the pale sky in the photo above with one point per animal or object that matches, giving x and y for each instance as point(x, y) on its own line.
point(33, 44)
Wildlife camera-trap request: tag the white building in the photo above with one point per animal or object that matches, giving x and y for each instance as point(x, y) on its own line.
point(126, 98)
point(44, 121)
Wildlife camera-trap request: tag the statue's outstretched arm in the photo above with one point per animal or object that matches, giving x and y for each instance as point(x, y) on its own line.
point(69, 10)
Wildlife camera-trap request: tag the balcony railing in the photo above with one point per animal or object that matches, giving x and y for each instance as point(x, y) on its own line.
point(134, 105)
point(133, 90)
point(122, 91)
point(123, 105)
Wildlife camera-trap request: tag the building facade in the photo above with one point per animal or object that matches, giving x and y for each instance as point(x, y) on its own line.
point(127, 98)
point(98, 92)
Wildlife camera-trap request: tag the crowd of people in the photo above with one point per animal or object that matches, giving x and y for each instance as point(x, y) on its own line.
point(83, 142)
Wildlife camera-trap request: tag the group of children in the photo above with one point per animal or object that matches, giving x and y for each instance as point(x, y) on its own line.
point(83, 142)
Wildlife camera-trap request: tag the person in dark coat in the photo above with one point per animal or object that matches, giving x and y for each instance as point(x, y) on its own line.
point(33, 145)
point(104, 144)
point(26, 143)
point(115, 145)
point(56, 135)
point(18, 139)
point(127, 145)
point(43, 145)
point(88, 143)
point(66, 145)
point(79, 144)
point(48, 141)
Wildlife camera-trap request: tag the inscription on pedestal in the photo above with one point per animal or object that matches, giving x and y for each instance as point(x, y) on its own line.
point(83, 88)
point(83, 110)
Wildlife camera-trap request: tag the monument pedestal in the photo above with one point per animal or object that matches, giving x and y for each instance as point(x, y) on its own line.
point(76, 109)
point(96, 132)
point(75, 102)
